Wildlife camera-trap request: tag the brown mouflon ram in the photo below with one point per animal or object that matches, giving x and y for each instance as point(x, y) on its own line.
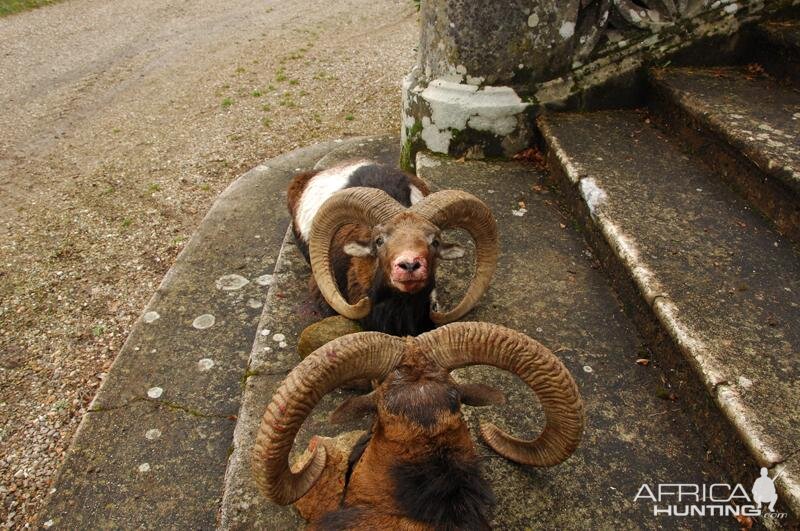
point(372, 235)
point(417, 468)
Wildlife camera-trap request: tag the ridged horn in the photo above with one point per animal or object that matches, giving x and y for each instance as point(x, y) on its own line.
point(358, 205)
point(463, 344)
point(363, 355)
point(450, 209)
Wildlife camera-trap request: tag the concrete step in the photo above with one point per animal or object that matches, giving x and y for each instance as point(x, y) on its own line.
point(714, 288)
point(744, 125)
point(779, 48)
point(153, 449)
point(548, 285)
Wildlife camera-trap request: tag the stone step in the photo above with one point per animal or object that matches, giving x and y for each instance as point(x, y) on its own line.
point(744, 125)
point(549, 286)
point(779, 48)
point(153, 448)
point(714, 288)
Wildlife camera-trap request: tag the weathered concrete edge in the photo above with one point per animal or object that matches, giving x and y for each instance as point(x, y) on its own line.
point(183, 261)
point(250, 406)
point(239, 460)
point(621, 250)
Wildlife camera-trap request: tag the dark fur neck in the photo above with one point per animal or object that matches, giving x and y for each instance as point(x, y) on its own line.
point(444, 490)
point(396, 313)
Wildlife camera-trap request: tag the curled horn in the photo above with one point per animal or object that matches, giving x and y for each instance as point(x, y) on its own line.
point(358, 205)
point(451, 209)
point(364, 355)
point(463, 344)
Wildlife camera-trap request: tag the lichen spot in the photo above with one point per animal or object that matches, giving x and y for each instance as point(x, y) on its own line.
point(155, 392)
point(48, 524)
point(533, 20)
point(567, 30)
point(587, 369)
point(264, 280)
point(255, 304)
point(151, 317)
point(231, 282)
point(278, 338)
point(205, 364)
point(144, 468)
point(204, 321)
point(152, 435)
point(745, 383)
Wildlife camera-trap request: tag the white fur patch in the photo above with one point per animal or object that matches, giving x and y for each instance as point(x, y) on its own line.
point(318, 190)
point(416, 195)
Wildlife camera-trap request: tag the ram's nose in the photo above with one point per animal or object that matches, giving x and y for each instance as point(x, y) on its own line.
point(409, 266)
point(409, 272)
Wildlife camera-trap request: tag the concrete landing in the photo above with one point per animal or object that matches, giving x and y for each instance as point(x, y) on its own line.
point(548, 286)
point(153, 449)
point(722, 288)
point(745, 125)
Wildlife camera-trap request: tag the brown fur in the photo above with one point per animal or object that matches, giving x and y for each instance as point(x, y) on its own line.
point(371, 498)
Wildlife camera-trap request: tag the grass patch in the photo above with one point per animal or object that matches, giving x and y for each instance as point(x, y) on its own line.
point(349, 117)
point(9, 7)
point(256, 93)
point(227, 102)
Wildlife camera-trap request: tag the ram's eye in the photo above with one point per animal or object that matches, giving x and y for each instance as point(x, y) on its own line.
point(435, 243)
point(378, 241)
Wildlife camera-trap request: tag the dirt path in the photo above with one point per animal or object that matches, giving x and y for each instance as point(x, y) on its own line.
point(120, 123)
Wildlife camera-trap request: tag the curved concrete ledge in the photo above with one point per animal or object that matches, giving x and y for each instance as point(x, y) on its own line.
point(153, 449)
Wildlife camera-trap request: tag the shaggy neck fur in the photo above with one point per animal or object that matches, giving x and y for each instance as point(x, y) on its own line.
point(396, 313)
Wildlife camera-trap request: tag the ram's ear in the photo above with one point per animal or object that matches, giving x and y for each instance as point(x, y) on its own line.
point(480, 395)
point(450, 251)
point(354, 409)
point(359, 249)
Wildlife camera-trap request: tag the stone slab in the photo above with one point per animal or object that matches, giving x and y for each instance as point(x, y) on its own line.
point(720, 281)
point(184, 381)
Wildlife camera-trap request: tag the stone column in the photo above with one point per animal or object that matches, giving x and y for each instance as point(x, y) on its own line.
point(486, 67)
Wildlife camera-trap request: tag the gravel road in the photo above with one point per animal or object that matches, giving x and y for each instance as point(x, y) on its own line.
point(120, 123)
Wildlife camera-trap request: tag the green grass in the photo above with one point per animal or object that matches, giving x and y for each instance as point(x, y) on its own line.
point(227, 102)
point(8, 7)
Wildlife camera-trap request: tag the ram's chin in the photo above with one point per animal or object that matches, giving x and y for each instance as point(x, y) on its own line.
point(409, 286)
